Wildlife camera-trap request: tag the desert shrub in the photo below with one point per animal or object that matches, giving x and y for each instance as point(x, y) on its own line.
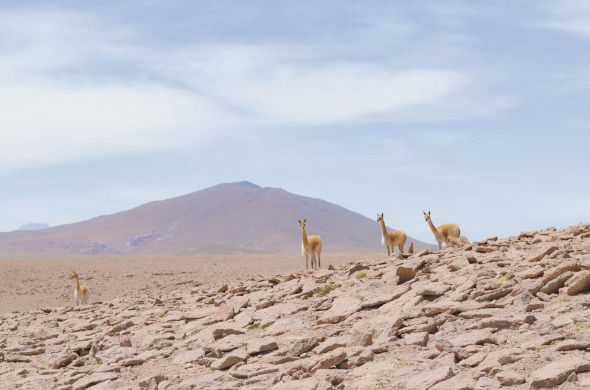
point(504, 278)
point(580, 324)
point(326, 288)
point(361, 275)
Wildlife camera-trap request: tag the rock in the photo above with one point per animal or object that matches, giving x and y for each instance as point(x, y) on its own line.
point(405, 274)
point(430, 288)
point(93, 379)
point(510, 378)
point(531, 272)
point(342, 308)
point(230, 359)
point(330, 359)
point(499, 358)
point(476, 337)
point(223, 331)
point(429, 378)
point(578, 283)
point(458, 264)
point(302, 345)
point(544, 251)
point(557, 372)
point(419, 338)
point(360, 338)
point(331, 344)
point(261, 345)
point(555, 284)
point(254, 370)
point(378, 301)
point(63, 360)
point(357, 356)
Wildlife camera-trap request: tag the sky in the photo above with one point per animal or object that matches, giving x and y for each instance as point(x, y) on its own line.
point(476, 111)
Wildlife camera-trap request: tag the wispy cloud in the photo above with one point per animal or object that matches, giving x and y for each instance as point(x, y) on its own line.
point(571, 16)
point(71, 89)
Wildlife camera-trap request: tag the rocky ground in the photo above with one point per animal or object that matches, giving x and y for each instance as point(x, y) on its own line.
point(502, 313)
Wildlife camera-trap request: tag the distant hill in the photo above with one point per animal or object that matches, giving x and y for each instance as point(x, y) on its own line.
point(33, 226)
point(227, 218)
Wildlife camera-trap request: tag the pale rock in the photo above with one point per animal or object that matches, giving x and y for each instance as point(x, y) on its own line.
point(475, 337)
point(261, 345)
point(531, 272)
point(557, 372)
point(360, 338)
point(342, 308)
point(554, 272)
point(93, 379)
point(222, 331)
point(555, 284)
point(429, 378)
point(487, 383)
point(542, 252)
point(419, 338)
point(578, 283)
point(330, 359)
point(303, 384)
point(302, 345)
point(430, 288)
point(510, 378)
point(331, 344)
point(458, 264)
point(499, 358)
point(230, 359)
point(253, 370)
point(62, 360)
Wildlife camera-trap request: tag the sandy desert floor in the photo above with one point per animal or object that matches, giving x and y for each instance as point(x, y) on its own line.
point(35, 283)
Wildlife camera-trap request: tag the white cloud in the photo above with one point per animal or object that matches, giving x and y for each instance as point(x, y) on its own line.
point(572, 16)
point(71, 89)
point(283, 89)
point(48, 123)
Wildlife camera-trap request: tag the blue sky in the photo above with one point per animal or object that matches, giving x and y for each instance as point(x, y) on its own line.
point(476, 111)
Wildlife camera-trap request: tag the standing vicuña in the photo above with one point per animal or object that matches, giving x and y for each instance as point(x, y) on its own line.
point(391, 239)
point(443, 232)
point(310, 246)
point(81, 292)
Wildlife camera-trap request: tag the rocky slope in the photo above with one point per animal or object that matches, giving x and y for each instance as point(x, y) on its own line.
point(502, 313)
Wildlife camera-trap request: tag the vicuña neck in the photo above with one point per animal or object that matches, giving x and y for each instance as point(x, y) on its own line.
point(304, 236)
point(382, 222)
point(434, 230)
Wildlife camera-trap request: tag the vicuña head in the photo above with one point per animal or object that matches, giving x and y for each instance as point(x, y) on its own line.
point(310, 246)
point(81, 292)
point(443, 232)
point(393, 238)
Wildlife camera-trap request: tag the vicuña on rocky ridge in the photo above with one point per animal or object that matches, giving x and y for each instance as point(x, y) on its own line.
point(501, 313)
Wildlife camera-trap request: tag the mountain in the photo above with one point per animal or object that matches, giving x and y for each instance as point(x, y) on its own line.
point(227, 218)
point(33, 226)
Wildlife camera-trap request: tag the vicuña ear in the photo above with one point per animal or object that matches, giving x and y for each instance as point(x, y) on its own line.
point(424, 212)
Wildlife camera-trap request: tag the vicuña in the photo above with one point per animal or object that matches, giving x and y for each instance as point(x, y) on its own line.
point(81, 292)
point(443, 232)
point(393, 238)
point(310, 246)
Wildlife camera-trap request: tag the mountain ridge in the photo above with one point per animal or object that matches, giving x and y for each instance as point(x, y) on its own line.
point(241, 217)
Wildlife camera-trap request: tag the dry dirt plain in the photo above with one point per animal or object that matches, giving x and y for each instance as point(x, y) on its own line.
point(34, 283)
